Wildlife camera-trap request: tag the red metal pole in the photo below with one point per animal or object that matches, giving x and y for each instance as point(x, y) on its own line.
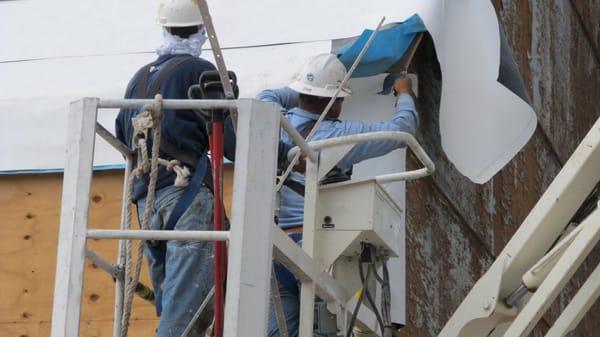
point(216, 149)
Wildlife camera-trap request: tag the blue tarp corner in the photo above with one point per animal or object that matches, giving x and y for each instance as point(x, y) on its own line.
point(387, 48)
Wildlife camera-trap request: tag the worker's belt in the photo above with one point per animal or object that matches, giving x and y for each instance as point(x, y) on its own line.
point(336, 175)
point(297, 230)
point(295, 186)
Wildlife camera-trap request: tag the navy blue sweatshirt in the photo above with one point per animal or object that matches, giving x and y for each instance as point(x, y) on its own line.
point(182, 128)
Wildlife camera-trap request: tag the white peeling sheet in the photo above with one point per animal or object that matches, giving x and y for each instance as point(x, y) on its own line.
point(91, 27)
point(34, 113)
point(60, 28)
point(36, 140)
point(483, 125)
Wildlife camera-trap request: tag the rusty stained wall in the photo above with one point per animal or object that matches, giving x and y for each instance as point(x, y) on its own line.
point(455, 227)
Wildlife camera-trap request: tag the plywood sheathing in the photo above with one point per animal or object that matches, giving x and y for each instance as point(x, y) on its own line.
point(29, 217)
point(29, 211)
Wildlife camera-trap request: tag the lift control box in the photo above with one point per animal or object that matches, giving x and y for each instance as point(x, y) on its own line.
point(352, 212)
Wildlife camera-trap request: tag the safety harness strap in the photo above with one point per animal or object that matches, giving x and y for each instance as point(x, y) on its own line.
point(335, 175)
point(185, 200)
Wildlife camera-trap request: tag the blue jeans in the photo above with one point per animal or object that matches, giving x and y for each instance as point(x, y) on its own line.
point(184, 277)
point(291, 308)
point(290, 300)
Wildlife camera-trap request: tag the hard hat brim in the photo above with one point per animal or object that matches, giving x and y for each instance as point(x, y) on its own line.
point(182, 24)
point(307, 89)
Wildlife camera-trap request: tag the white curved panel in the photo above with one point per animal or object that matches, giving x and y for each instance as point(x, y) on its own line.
point(33, 113)
point(482, 123)
point(90, 27)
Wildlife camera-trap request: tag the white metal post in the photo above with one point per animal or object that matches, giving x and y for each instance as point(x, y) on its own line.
point(307, 290)
point(250, 248)
point(77, 180)
point(305, 268)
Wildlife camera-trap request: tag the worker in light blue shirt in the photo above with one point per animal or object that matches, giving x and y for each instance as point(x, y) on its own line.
point(303, 109)
point(304, 100)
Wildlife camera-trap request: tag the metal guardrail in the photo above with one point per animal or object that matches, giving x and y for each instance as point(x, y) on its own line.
point(176, 104)
point(132, 234)
point(408, 139)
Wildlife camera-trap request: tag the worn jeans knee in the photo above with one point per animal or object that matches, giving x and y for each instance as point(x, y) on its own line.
point(184, 276)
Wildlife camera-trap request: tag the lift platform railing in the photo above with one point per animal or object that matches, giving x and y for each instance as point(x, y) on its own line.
point(354, 140)
point(82, 128)
point(248, 283)
point(322, 156)
point(257, 153)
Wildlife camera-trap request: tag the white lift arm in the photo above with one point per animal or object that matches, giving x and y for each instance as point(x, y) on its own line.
point(530, 272)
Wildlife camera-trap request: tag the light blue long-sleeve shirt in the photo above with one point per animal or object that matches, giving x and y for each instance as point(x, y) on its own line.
point(404, 119)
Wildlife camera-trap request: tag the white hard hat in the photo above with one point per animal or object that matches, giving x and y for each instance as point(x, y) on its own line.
point(321, 76)
point(179, 13)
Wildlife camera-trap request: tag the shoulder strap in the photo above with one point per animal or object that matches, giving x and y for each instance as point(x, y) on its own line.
point(142, 90)
point(335, 175)
point(308, 127)
point(142, 83)
point(165, 146)
point(164, 71)
point(294, 185)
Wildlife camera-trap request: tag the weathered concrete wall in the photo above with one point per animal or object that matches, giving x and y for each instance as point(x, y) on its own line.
point(455, 227)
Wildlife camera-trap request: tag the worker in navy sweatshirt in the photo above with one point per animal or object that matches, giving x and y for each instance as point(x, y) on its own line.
point(181, 271)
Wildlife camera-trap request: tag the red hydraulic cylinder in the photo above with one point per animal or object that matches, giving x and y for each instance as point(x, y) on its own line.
point(220, 269)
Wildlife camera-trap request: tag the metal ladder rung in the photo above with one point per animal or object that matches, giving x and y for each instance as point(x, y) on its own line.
point(116, 234)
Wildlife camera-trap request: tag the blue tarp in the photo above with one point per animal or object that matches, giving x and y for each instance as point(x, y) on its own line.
point(387, 48)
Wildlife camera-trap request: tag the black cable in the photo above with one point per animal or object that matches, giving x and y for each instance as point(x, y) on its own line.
point(377, 277)
point(587, 207)
point(369, 297)
point(355, 312)
point(385, 301)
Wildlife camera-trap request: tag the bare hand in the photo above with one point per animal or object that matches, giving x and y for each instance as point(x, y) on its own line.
point(301, 164)
point(403, 85)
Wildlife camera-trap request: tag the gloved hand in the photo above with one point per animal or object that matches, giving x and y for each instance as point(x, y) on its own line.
point(398, 83)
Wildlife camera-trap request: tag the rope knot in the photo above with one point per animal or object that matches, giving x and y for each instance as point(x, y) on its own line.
point(170, 164)
point(142, 123)
point(182, 178)
point(182, 173)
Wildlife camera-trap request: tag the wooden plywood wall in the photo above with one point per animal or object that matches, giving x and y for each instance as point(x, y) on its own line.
point(29, 217)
